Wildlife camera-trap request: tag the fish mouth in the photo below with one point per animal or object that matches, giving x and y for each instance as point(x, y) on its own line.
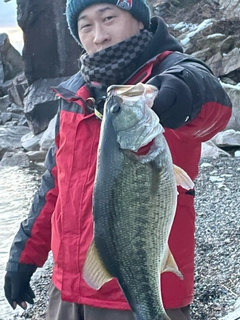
point(130, 90)
point(126, 90)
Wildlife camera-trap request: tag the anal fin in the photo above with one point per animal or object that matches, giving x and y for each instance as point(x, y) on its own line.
point(94, 271)
point(170, 265)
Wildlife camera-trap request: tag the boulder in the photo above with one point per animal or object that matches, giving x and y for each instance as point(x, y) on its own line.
point(1, 74)
point(230, 9)
point(15, 108)
point(17, 89)
point(191, 36)
point(10, 138)
point(49, 49)
point(224, 64)
point(234, 94)
point(227, 138)
point(36, 156)
point(4, 103)
point(12, 159)
point(4, 87)
point(11, 62)
point(41, 104)
point(211, 150)
point(30, 142)
point(4, 117)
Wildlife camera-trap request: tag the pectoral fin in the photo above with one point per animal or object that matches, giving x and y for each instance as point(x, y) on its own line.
point(182, 178)
point(94, 271)
point(170, 264)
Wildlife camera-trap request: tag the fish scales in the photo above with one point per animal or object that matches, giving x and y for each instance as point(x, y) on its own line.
point(134, 204)
point(130, 255)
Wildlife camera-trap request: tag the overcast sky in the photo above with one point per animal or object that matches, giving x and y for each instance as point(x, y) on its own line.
point(8, 23)
point(8, 13)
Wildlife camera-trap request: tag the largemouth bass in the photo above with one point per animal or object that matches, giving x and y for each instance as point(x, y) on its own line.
point(134, 201)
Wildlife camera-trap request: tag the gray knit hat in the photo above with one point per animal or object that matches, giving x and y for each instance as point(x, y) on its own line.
point(138, 8)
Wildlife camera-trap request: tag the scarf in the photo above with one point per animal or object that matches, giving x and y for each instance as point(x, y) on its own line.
point(117, 63)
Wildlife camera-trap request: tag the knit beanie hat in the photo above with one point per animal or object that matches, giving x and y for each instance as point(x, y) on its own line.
point(138, 9)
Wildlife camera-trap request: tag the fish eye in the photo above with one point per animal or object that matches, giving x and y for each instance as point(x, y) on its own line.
point(115, 108)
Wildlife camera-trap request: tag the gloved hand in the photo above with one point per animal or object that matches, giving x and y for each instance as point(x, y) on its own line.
point(17, 288)
point(173, 104)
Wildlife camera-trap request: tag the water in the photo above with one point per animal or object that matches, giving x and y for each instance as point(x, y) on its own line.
point(17, 188)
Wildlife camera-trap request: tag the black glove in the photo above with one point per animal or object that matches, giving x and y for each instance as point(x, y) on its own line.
point(173, 104)
point(17, 288)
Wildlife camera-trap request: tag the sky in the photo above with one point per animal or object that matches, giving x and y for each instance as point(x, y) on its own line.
point(8, 23)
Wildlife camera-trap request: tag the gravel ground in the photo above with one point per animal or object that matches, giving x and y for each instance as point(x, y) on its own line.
point(217, 275)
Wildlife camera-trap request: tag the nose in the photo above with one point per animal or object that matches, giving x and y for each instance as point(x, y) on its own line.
point(101, 35)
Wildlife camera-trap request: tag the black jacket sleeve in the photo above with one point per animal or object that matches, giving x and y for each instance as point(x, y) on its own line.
point(184, 89)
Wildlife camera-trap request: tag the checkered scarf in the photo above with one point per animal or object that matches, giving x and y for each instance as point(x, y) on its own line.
point(114, 64)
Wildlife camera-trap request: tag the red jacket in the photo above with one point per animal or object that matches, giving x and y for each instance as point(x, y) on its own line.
point(61, 215)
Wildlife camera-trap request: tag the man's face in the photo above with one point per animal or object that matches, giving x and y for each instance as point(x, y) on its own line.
point(103, 25)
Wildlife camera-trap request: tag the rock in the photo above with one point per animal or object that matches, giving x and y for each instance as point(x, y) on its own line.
point(12, 159)
point(211, 44)
point(188, 39)
point(17, 89)
point(227, 44)
point(204, 38)
point(227, 138)
point(15, 108)
point(11, 123)
point(17, 117)
point(1, 73)
point(41, 104)
point(36, 156)
point(222, 65)
point(210, 150)
point(11, 59)
point(230, 9)
point(23, 121)
point(4, 87)
point(51, 53)
point(10, 138)
point(234, 94)
point(4, 103)
point(30, 142)
point(203, 54)
point(5, 116)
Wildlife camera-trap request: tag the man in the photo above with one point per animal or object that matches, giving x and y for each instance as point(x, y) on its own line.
point(122, 46)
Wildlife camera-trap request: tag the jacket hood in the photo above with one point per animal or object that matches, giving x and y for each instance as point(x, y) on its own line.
point(162, 41)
